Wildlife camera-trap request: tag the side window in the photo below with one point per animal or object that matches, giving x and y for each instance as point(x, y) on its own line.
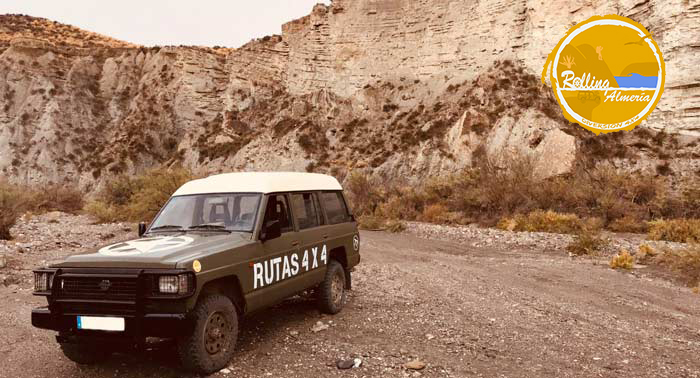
point(277, 208)
point(333, 203)
point(305, 212)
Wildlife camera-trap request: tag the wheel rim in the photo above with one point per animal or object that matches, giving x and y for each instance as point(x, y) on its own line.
point(215, 333)
point(337, 288)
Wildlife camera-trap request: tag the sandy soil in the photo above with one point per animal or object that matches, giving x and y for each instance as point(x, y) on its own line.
point(464, 309)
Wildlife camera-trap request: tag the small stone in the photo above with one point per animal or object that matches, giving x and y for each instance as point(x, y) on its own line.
point(225, 371)
point(429, 336)
point(319, 326)
point(294, 333)
point(344, 364)
point(3, 261)
point(349, 363)
point(415, 365)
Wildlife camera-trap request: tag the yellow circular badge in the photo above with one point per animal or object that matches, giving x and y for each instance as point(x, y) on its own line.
point(607, 74)
point(197, 266)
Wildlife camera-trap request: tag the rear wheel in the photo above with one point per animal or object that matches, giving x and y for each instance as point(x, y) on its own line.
point(85, 354)
point(331, 292)
point(215, 330)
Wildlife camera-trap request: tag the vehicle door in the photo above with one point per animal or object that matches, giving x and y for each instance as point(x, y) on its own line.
point(313, 251)
point(340, 230)
point(273, 267)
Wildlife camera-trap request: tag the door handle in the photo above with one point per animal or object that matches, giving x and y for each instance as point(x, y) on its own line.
point(325, 236)
point(295, 243)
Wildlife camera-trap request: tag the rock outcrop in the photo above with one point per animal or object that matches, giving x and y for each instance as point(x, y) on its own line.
point(403, 87)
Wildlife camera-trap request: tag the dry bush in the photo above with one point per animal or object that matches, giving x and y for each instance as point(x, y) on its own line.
point(497, 189)
point(684, 262)
point(623, 260)
point(629, 224)
point(490, 191)
point(362, 193)
point(11, 206)
point(435, 213)
point(401, 204)
point(56, 198)
point(154, 189)
point(137, 199)
point(395, 226)
point(645, 254)
point(587, 243)
point(678, 230)
point(544, 221)
point(118, 191)
point(103, 212)
point(371, 222)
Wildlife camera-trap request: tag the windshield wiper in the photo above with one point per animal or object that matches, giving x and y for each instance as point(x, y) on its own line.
point(209, 226)
point(167, 227)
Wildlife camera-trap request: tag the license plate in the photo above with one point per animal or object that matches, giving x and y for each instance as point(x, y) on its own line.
point(101, 323)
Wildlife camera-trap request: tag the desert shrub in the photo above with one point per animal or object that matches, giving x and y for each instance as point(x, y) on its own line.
point(629, 224)
point(118, 191)
point(587, 243)
point(371, 222)
point(139, 198)
point(11, 205)
point(153, 190)
point(543, 221)
point(400, 205)
point(103, 212)
point(56, 198)
point(490, 191)
point(362, 193)
point(623, 260)
point(645, 253)
point(435, 213)
point(395, 226)
point(685, 262)
point(499, 189)
point(678, 230)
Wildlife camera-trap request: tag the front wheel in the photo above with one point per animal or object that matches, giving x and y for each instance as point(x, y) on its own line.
point(331, 292)
point(215, 330)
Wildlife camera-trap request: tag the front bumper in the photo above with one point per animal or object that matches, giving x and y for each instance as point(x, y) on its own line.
point(146, 325)
point(129, 295)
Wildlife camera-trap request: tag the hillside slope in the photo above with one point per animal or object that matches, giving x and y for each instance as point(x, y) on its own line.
point(406, 88)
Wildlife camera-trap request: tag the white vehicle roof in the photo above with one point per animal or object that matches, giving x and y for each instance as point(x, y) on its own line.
point(259, 182)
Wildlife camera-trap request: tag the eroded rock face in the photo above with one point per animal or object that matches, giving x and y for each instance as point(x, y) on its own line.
point(402, 87)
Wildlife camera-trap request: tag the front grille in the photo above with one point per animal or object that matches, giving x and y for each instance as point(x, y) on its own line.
point(79, 308)
point(105, 288)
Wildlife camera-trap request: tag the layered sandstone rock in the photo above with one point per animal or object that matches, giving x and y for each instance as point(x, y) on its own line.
point(404, 87)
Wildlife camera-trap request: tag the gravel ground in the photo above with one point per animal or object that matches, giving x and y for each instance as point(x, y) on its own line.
point(460, 301)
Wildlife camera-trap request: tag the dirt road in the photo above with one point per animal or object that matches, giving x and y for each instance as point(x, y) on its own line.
point(462, 310)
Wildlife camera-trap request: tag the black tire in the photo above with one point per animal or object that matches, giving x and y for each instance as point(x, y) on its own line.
point(85, 354)
point(207, 349)
point(331, 292)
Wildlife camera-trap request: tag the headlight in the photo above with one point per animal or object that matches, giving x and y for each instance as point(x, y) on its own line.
point(43, 281)
point(179, 284)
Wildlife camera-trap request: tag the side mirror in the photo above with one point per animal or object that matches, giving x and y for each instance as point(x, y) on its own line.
point(352, 218)
point(271, 230)
point(142, 228)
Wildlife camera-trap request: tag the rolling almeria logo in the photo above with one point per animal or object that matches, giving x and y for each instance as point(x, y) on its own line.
point(607, 74)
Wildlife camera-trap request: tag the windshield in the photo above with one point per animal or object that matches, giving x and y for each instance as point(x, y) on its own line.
point(227, 212)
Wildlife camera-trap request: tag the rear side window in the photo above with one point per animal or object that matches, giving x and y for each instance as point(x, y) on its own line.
point(335, 208)
point(305, 210)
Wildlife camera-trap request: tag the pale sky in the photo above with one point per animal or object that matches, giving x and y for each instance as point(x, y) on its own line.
point(177, 22)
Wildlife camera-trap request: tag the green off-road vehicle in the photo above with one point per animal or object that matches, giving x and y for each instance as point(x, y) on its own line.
point(221, 247)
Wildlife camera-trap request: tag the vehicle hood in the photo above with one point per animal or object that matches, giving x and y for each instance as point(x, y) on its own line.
point(157, 251)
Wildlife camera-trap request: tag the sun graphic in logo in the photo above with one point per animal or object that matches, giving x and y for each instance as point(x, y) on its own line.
point(607, 74)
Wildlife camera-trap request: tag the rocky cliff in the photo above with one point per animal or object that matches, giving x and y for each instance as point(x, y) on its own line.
point(407, 88)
